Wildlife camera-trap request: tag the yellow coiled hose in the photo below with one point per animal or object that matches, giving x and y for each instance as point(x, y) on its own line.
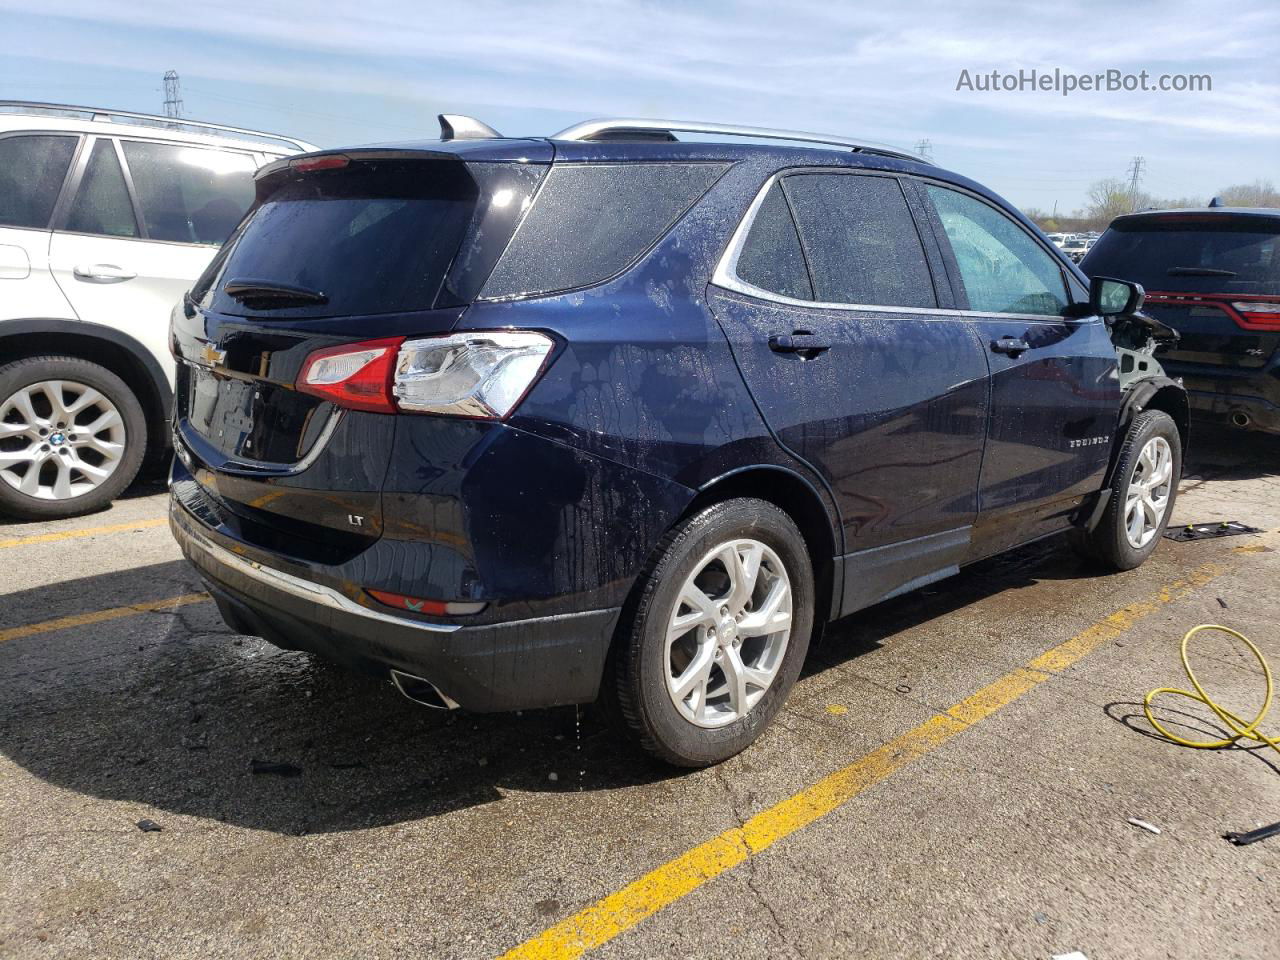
point(1240, 730)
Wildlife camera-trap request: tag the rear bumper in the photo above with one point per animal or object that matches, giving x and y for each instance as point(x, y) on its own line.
point(1220, 393)
point(520, 664)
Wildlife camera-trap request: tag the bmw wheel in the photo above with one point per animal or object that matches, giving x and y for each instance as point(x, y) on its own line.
point(718, 634)
point(72, 436)
point(1145, 486)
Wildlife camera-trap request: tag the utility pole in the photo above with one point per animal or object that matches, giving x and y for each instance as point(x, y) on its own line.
point(172, 95)
point(1135, 178)
point(925, 148)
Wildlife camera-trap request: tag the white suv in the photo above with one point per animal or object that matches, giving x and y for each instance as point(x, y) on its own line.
point(106, 219)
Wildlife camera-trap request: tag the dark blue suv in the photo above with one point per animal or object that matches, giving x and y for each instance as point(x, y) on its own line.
point(523, 422)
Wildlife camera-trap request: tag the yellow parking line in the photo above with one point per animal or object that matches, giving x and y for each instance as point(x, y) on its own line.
point(98, 616)
point(618, 912)
point(84, 532)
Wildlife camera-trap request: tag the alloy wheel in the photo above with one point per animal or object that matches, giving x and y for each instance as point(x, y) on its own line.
point(1147, 499)
point(59, 439)
point(727, 635)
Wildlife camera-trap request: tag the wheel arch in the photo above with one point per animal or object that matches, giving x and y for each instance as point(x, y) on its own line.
point(1158, 393)
point(801, 501)
point(118, 352)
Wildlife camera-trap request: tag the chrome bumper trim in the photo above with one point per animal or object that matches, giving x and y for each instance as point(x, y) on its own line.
point(295, 586)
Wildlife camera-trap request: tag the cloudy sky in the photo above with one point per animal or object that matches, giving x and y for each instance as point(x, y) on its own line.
point(337, 73)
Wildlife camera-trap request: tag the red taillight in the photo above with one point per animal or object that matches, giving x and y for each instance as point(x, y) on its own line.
point(1258, 314)
point(354, 375)
point(334, 161)
point(438, 608)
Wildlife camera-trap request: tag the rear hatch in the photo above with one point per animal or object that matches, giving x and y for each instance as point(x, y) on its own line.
point(1214, 276)
point(339, 248)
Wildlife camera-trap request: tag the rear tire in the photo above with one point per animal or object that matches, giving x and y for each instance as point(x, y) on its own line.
point(713, 645)
point(72, 437)
point(1145, 487)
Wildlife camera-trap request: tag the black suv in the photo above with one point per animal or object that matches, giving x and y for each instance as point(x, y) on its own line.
point(608, 415)
point(1214, 274)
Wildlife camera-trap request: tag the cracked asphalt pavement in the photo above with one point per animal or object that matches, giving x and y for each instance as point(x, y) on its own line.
point(390, 830)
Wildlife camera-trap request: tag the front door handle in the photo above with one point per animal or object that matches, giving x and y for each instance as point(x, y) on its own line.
point(1010, 345)
point(805, 344)
point(102, 273)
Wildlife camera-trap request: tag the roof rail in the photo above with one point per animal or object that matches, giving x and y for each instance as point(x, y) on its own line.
point(149, 119)
point(618, 129)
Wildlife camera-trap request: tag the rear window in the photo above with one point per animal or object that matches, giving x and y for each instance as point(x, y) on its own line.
point(189, 194)
point(590, 222)
point(32, 169)
point(377, 237)
point(1240, 255)
point(860, 240)
point(771, 258)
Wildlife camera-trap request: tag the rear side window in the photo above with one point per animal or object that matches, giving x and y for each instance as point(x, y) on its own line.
point(771, 258)
point(860, 240)
point(1003, 269)
point(102, 205)
point(377, 237)
point(189, 194)
point(1216, 253)
point(590, 222)
point(32, 169)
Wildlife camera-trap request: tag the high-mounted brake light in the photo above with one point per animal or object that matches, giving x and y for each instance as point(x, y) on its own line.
point(353, 375)
point(332, 161)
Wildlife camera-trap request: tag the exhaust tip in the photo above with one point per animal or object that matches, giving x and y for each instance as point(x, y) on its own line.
point(1240, 418)
point(421, 691)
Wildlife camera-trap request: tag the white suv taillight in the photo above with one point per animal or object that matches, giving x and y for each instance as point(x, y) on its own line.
point(478, 375)
point(483, 375)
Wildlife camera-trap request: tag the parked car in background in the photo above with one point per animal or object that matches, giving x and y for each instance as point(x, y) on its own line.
point(1075, 248)
point(523, 422)
point(1057, 239)
point(1214, 275)
point(106, 218)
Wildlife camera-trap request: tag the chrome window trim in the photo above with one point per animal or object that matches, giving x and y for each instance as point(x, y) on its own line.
point(726, 272)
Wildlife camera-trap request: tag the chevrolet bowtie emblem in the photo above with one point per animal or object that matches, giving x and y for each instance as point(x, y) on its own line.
point(210, 356)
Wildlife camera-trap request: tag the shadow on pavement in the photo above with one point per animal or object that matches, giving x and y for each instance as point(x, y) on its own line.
point(170, 709)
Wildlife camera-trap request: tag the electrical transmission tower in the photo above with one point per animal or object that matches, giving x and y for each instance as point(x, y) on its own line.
point(1135, 179)
point(172, 95)
point(924, 147)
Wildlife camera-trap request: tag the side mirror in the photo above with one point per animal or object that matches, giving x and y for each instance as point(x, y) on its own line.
point(1109, 297)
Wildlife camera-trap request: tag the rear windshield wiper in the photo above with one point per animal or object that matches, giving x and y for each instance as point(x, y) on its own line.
point(269, 293)
point(1199, 272)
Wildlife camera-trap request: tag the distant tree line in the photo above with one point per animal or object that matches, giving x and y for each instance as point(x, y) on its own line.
point(1112, 197)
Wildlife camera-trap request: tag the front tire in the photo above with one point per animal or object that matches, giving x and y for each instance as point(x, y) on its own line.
point(72, 436)
point(1147, 472)
point(717, 634)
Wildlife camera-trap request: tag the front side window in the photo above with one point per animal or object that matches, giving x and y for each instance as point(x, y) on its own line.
point(1003, 269)
point(102, 204)
point(771, 258)
point(189, 194)
point(860, 240)
point(32, 168)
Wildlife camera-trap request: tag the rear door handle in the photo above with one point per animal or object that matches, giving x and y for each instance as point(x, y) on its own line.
point(805, 344)
point(102, 273)
point(1010, 345)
